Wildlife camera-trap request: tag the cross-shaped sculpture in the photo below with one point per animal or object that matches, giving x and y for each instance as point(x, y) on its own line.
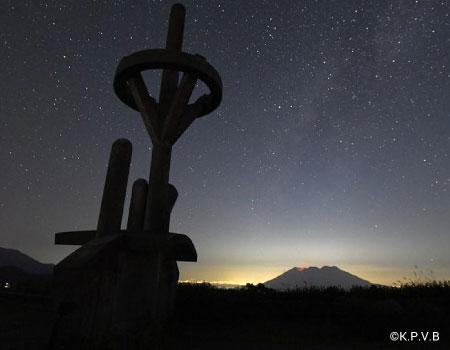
point(165, 122)
point(111, 259)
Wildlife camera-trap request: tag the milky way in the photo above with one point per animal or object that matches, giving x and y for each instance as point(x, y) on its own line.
point(330, 146)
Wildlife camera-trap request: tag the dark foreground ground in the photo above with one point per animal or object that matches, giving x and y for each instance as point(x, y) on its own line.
point(258, 318)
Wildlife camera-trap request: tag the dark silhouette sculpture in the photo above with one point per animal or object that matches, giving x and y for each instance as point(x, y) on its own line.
point(117, 290)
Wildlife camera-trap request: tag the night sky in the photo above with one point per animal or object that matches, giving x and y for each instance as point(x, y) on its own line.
point(330, 147)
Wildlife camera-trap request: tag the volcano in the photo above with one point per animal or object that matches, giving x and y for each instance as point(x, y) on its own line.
point(314, 277)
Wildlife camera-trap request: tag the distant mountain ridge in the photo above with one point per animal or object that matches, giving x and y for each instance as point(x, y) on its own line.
point(326, 276)
point(16, 259)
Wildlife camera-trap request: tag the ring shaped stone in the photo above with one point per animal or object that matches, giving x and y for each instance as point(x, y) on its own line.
point(172, 60)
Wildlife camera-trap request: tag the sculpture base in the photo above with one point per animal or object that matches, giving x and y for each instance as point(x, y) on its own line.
point(111, 297)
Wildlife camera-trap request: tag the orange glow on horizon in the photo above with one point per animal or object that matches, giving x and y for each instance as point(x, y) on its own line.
point(234, 283)
point(242, 274)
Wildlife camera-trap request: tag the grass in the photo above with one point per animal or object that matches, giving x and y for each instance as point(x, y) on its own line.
point(255, 317)
point(329, 317)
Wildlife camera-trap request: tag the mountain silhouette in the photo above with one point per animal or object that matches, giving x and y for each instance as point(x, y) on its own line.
point(326, 276)
point(14, 258)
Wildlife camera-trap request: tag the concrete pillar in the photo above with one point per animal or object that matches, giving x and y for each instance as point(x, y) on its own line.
point(138, 202)
point(174, 41)
point(111, 211)
point(156, 210)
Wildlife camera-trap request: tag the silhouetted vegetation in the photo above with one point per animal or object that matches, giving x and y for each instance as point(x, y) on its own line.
point(313, 315)
point(256, 317)
point(36, 286)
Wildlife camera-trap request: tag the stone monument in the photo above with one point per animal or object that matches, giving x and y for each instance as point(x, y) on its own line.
point(117, 290)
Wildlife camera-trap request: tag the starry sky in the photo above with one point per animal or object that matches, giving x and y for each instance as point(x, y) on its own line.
point(330, 147)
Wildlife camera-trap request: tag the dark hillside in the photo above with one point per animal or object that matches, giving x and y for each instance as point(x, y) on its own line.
point(255, 317)
point(12, 257)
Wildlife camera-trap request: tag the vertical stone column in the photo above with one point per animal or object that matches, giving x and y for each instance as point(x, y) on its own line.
point(136, 215)
point(157, 200)
point(111, 210)
point(159, 205)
